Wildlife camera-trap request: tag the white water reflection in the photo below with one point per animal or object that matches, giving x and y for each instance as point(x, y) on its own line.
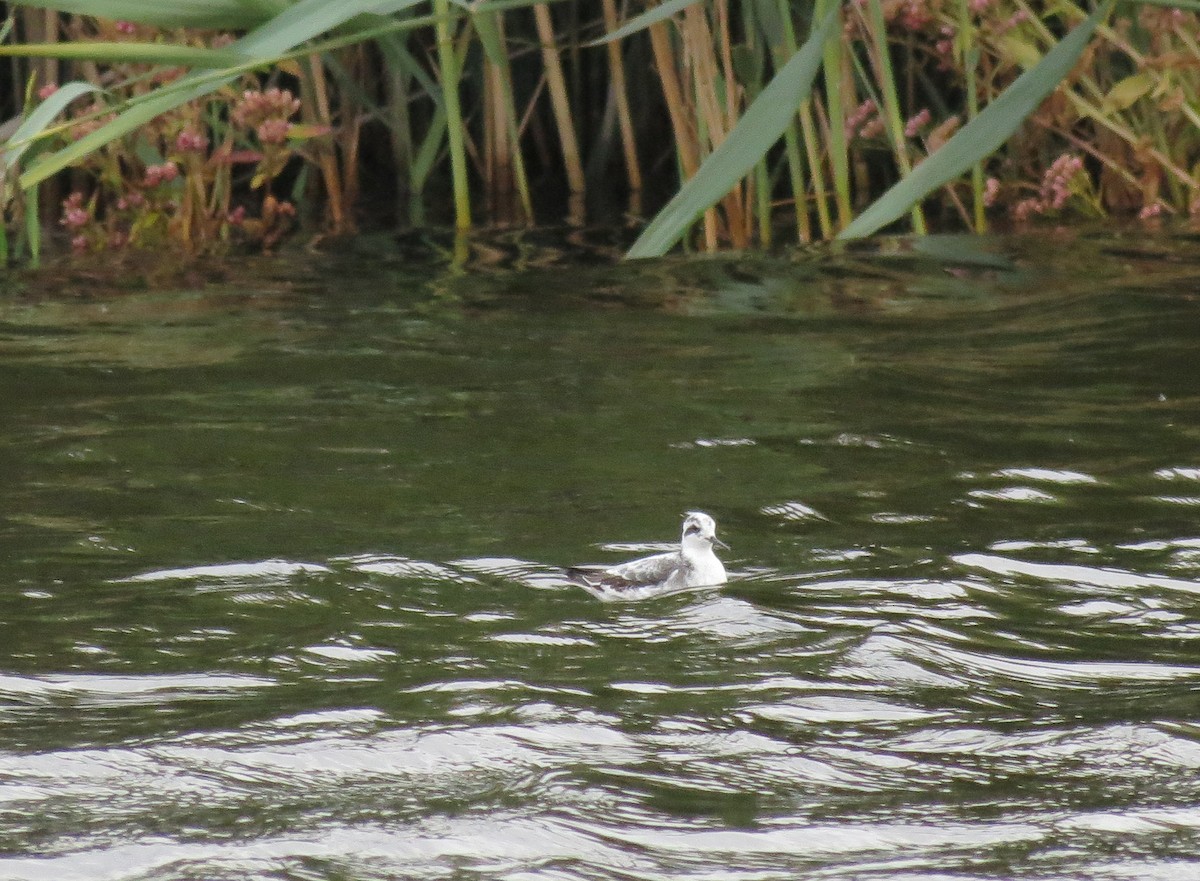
point(268, 571)
point(1068, 574)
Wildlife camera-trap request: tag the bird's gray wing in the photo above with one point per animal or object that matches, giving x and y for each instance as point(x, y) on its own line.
point(635, 573)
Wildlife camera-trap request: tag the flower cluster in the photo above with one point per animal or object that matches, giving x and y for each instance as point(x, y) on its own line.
point(865, 121)
point(1055, 190)
point(273, 131)
point(132, 201)
point(191, 141)
point(911, 15)
point(991, 189)
point(76, 217)
point(1056, 182)
point(160, 174)
point(944, 48)
point(913, 126)
point(257, 108)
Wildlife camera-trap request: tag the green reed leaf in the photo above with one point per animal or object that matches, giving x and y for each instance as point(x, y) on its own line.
point(39, 120)
point(1192, 5)
point(221, 14)
point(128, 53)
point(644, 20)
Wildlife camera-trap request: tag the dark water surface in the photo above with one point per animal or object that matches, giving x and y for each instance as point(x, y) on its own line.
point(281, 596)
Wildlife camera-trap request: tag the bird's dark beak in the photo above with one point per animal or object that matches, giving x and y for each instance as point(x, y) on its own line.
point(720, 543)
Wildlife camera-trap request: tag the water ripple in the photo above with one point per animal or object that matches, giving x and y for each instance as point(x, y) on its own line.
point(112, 690)
point(1068, 574)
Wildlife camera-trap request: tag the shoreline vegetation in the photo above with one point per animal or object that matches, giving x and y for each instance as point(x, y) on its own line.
point(232, 124)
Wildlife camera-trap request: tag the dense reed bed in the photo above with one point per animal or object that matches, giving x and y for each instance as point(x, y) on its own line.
point(723, 123)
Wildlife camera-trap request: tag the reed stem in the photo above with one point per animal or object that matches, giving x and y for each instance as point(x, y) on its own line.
point(559, 100)
point(455, 124)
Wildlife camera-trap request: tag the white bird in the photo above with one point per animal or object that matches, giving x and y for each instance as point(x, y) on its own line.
point(693, 565)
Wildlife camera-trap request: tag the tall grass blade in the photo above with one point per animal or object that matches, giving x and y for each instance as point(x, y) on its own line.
point(128, 53)
point(489, 29)
point(886, 76)
point(37, 121)
point(981, 136)
point(560, 101)
point(641, 22)
point(1192, 5)
point(478, 7)
point(448, 65)
point(223, 14)
point(301, 22)
point(616, 73)
point(33, 227)
point(759, 128)
point(776, 24)
point(835, 103)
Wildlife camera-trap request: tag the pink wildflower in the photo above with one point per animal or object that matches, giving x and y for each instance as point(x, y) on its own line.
point(255, 108)
point(160, 174)
point(46, 91)
point(237, 216)
point(858, 118)
point(75, 215)
point(991, 190)
point(273, 131)
point(1152, 210)
point(79, 244)
point(914, 125)
point(872, 129)
point(1023, 209)
point(189, 141)
point(126, 27)
point(915, 15)
point(1056, 182)
point(131, 200)
point(979, 7)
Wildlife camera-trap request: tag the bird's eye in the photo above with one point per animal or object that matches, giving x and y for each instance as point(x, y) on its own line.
point(691, 529)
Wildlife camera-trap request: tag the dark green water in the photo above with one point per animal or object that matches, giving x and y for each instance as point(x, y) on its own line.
point(281, 593)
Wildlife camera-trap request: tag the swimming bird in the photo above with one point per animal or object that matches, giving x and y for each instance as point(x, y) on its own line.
point(693, 565)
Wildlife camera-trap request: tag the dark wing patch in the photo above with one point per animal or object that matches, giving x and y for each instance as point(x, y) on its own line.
point(597, 576)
